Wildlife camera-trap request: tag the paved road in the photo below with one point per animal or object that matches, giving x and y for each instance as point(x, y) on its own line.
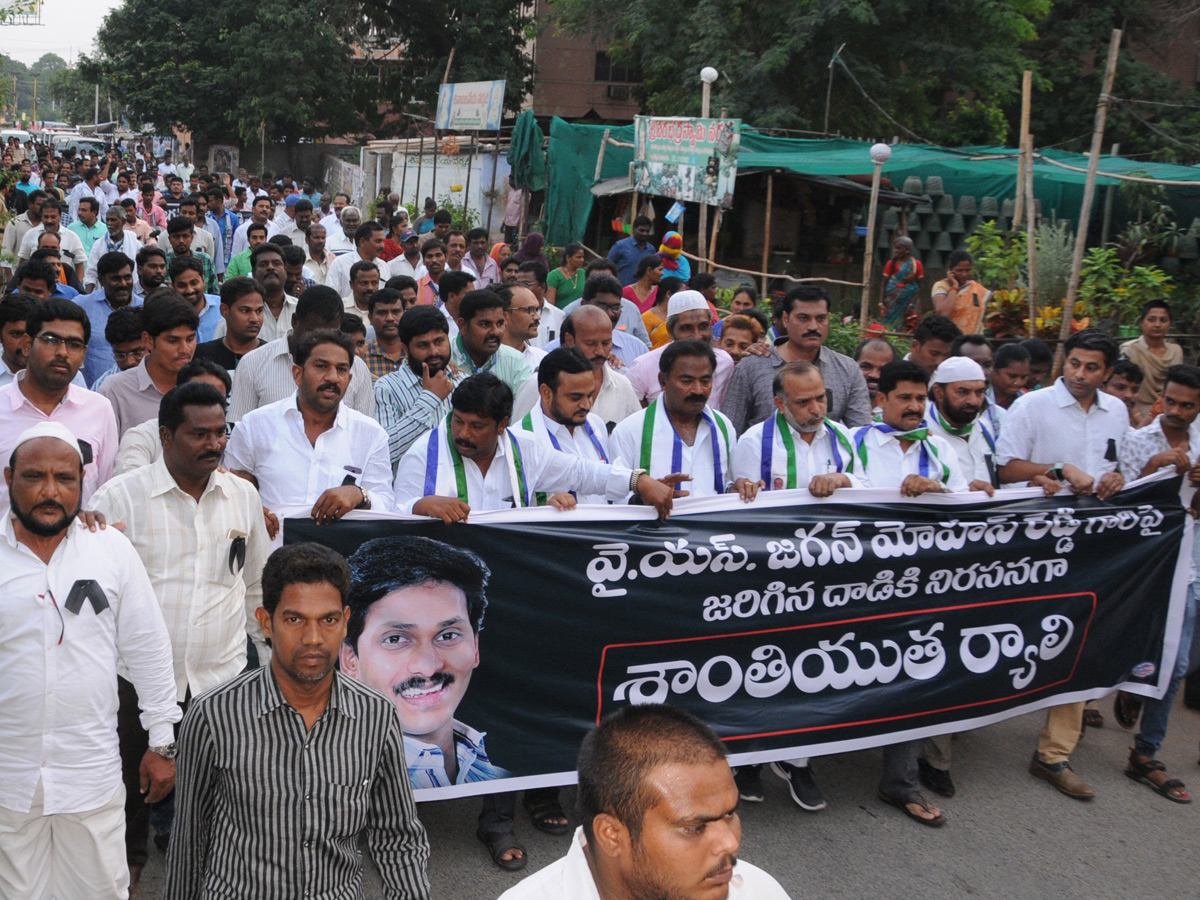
point(1010, 836)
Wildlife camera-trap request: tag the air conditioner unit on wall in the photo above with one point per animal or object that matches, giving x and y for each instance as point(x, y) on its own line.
point(618, 92)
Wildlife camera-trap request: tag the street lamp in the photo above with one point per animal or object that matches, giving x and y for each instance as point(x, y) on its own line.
point(708, 75)
point(880, 154)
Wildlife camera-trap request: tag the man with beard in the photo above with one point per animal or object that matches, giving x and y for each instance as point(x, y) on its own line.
point(1070, 433)
point(14, 343)
point(151, 270)
point(187, 278)
point(78, 608)
point(433, 256)
point(242, 307)
point(532, 275)
point(269, 268)
point(473, 460)
point(115, 240)
point(479, 346)
point(114, 273)
point(872, 355)
point(958, 390)
point(416, 609)
point(659, 817)
point(385, 354)
point(317, 259)
point(589, 329)
point(412, 400)
point(321, 759)
point(58, 333)
point(310, 449)
point(200, 534)
point(688, 319)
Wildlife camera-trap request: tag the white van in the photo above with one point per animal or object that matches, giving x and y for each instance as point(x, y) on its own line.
point(19, 133)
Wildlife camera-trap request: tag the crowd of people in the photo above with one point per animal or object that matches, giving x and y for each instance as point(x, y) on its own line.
point(187, 360)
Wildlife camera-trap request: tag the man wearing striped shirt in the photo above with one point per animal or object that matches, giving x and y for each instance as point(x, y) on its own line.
point(282, 769)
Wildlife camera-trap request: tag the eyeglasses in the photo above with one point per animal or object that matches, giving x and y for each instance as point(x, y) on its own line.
point(122, 355)
point(53, 341)
point(528, 310)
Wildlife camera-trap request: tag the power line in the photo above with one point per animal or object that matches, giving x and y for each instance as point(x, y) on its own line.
point(1152, 127)
point(1157, 103)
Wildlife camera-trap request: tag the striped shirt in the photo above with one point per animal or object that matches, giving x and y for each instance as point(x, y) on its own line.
point(427, 763)
point(268, 809)
point(406, 410)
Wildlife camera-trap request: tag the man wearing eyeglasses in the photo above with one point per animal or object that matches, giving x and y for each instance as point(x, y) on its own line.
point(58, 332)
point(521, 321)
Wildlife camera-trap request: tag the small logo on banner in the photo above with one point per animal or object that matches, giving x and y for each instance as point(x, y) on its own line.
point(779, 484)
point(1144, 670)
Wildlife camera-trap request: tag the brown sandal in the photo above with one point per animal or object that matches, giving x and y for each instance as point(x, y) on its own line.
point(1145, 769)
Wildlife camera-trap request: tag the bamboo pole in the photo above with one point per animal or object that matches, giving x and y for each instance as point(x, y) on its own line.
point(492, 190)
point(1109, 193)
point(1031, 232)
point(420, 163)
point(1026, 101)
point(766, 254)
point(1089, 193)
point(712, 244)
point(467, 188)
point(869, 249)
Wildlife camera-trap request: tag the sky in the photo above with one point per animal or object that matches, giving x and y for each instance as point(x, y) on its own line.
point(68, 28)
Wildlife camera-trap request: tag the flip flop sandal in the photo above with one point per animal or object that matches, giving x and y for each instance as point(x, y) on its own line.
point(902, 805)
point(499, 843)
point(1140, 771)
point(1092, 718)
point(542, 811)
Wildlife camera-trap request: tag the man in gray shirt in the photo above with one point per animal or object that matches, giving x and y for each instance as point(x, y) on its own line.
point(804, 318)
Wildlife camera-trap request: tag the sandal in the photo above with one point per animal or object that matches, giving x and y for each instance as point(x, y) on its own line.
point(541, 811)
point(498, 843)
point(1092, 718)
point(1144, 769)
point(902, 805)
point(1126, 708)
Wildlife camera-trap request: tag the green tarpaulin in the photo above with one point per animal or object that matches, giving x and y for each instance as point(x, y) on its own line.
point(525, 155)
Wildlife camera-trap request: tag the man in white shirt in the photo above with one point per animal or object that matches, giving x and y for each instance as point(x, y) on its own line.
point(562, 419)
point(1069, 432)
point(317, 259)
point(798, 447)
point(521, 320)
point(340, 239)
point(298, 214)
point(364, 281)
point(409, 262)
point(477, 259)
point(310, 449)
point(269, 269)
point(116, 240)
point(659, 817)
point(77, 608)
point(333, 219)
point(473, 460)
point(200, 534)
point(71, 247)
point(260, 213)
point(368, 244)
point(679, 432)
point(532, 275)
point(958, 395)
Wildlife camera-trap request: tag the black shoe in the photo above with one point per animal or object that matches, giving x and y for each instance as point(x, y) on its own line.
point(803, 788)
point(749, 783)
point(162, 840)
point(1126, 709)
point(937, 780)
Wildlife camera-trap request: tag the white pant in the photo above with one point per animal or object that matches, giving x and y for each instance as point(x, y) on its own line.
point(64, 856)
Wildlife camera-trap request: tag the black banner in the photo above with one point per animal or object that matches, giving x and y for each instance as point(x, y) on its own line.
point(797, 627)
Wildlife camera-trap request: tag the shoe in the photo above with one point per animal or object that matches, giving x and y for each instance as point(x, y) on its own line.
point(1061, 776)
point(803, 788)
point(1092, 718)
point(162, 840)
point(1126, 708)
point(937, 780)
point(749, 783)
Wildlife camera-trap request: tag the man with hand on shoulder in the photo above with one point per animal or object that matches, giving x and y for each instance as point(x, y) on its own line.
point(959, 397)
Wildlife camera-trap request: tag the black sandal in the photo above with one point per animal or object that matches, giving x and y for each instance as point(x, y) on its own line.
point(1140, 769)
point(498, 843)
point(901, 803)
point(542, 811)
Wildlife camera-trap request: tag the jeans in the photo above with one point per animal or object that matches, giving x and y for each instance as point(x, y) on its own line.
point(1156, 712)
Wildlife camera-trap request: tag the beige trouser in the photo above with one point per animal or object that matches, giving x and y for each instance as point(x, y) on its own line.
point(936, 751)
point(1061, 734)
point(65, 856)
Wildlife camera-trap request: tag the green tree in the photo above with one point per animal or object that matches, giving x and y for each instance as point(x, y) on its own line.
point(73, 95)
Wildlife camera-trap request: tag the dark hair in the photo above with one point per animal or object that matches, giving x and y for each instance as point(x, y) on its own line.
point(201, 366)
point(293, 256)
point(352, 324)
point(57, 308)
point(1129, 370)
point(384, 296)
point(600, 283)
point(863, 344)
point(667, 288)
point(310, 340)
point(569, 360)
point(1155, 304)
point(305, 563)
point(181, 264)
point(681, 349)
point(402, 283)
point(179, 224)
point(539, 271)
point(282, 241)
point(1093, 340)
point(454, 282)
point(124, 325)
point(1038, 351)
point(365, 230)
point(483, 395)
point(642, 220)
point(255, 226)
point(191, 393)
point(975, 340)
point(37, 270)
point(749, 290)
point(936, 328)
point(958, 256)
point(432, 244)
point(646, 263)
point(302, 206)
point(164, 310)
point(92, 202)
point(265, 249)
point(806, 293)
point(233, 289)
point(475, 234)
point(617, 757)
point(476, 302)
point(383, 565)
point(420, 320)
point(901, 370)
point(17, 307)
point(361, 266)
point(443, 217)
point(320, 302)
point(757, 315)
point(1188, 376)
point(702, 280)
point(1008, 354)
point(601, 264)
point(146, 252)
point(190, 201)
point(111, 263)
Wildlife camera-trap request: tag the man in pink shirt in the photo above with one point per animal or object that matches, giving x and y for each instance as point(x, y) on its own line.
point(58, 332)
point(688, 318)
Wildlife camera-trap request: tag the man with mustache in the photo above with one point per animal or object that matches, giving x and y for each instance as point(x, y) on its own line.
point(803, 316)
point(958, 395)
point(310, 449)
point(58, 332)
point(416, 609)
point(872, 355)
point(78, 608)
point(480, 346)
point(243, 310)
point(412, 400)
point(201, 536)
point(659, 810)
point(688, 319)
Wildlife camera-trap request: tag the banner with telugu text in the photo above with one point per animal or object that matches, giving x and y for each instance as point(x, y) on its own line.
point(797, 627)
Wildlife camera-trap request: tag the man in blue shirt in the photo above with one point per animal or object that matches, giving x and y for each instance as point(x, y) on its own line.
point(627, 251)
point(114, 274)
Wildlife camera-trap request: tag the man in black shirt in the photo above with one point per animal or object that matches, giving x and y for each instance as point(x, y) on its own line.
point(242, 309)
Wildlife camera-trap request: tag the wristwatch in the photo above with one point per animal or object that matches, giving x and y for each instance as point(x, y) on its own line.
point(633, 478)
point(1056, 471)
point(167, 751)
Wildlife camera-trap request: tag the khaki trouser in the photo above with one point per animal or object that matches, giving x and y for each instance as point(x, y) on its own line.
point(1061, 733)
point(936, 751)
